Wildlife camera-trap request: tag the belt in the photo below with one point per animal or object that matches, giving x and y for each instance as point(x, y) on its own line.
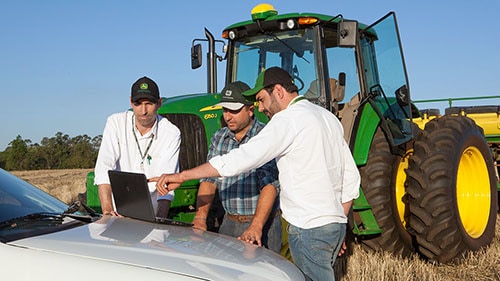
point(248, 218)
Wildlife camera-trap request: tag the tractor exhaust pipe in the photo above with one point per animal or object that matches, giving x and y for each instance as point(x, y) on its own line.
point(211, 64)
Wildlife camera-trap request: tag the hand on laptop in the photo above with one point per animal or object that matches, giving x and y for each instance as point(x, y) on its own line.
point(113, 214)
point(166, 183)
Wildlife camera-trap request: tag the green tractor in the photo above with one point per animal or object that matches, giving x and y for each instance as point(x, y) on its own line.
point(429, 185)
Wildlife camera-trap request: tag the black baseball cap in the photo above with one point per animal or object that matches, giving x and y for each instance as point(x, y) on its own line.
point(231, 96)
point(145, 88)
point(272, 76)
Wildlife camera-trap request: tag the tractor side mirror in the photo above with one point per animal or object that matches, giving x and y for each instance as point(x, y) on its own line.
point(402, 96)
point(196, 56)
point(347, 33)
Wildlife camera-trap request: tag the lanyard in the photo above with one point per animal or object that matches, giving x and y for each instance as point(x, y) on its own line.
point(296, 100)
point(139, 147)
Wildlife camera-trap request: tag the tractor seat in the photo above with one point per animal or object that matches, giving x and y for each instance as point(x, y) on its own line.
point(337, 92)
point(312, 93)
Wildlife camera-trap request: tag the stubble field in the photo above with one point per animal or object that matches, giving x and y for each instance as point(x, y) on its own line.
point(483, 265)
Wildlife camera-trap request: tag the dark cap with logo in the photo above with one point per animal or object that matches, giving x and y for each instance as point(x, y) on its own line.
point(271, 77)
point(231, 97)
point(145, 88)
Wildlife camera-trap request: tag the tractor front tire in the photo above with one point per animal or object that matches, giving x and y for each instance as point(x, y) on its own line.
point(382, 181)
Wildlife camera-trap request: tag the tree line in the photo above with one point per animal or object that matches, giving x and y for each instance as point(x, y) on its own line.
point(58, 152)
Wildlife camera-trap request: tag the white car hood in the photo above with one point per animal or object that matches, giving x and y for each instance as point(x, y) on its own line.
point(168, 248)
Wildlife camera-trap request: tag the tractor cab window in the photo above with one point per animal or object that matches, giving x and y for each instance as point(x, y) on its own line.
point(291, 50)
point(341, 60)
point(297, 52)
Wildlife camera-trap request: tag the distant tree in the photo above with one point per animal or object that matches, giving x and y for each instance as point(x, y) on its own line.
point(16, 154)
point(3, 159)
point(35, 159)
point(96, 143)
point(81, 153)
point(55, 150)
point(59, 152)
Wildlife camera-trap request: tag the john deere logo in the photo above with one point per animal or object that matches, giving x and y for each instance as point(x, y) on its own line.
point(144, 86)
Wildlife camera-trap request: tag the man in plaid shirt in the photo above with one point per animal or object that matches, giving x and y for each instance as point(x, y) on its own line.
point(250, 200)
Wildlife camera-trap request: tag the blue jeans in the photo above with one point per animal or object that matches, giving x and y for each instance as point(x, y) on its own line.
point(314, 250)
point(271, 232)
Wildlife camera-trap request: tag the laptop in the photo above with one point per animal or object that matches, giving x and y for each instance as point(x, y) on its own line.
point(132, 197)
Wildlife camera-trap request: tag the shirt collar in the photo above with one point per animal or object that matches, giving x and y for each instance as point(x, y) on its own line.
point(296, 99)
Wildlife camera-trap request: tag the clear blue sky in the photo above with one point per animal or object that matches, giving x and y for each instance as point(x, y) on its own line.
point(66, 65)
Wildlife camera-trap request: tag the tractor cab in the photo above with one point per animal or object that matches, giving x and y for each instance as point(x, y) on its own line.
point(323, 54)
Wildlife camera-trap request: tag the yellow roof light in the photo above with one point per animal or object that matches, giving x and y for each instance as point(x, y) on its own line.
point(263, 11)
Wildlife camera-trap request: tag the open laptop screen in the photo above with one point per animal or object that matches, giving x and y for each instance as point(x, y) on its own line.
point(131, 195)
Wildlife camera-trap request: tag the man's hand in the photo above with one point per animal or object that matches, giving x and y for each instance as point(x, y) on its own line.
point(166, 183)
point(252, 235)
point(112, 213)
point(343, 249)
point(104, 191)
point(169, 182)
point(200, 223)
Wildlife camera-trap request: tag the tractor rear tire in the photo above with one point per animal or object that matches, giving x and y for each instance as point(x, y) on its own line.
point(382, 182)
point(451, 189)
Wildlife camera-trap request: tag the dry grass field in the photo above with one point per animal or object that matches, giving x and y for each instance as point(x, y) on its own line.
point(63, 184)
point(482, 265)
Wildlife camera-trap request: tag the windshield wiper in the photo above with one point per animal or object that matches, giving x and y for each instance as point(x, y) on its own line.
point(53, 217)
point(75, 207)
point(35, 217)
point(72, 208)
point(70, 212)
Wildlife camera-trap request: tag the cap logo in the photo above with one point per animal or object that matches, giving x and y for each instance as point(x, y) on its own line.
point(228, 93)
point(143, 86)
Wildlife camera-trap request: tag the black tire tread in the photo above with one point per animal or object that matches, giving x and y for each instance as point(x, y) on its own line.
point(434, 217)
point(377, 181)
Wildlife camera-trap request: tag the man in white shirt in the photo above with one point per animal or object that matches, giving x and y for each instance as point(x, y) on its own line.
point(317, 173)
point(139, 141)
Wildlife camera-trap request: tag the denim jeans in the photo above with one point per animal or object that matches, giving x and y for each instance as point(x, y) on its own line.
point(314, 250)
point(271, 232)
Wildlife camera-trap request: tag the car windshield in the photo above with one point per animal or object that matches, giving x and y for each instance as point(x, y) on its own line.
point(26, 210)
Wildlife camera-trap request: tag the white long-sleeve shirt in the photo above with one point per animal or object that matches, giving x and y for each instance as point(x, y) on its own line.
point(119, 150)
point(317, 172)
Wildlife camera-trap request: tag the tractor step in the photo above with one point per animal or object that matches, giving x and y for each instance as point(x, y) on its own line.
point(365, 223)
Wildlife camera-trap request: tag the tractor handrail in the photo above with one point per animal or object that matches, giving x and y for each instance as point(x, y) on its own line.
point(450, 100)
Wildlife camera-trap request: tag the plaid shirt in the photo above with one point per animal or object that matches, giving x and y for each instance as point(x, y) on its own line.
point(240, 194)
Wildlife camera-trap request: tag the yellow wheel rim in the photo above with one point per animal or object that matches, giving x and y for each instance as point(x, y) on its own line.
point(473, 192)
point(400, 185)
